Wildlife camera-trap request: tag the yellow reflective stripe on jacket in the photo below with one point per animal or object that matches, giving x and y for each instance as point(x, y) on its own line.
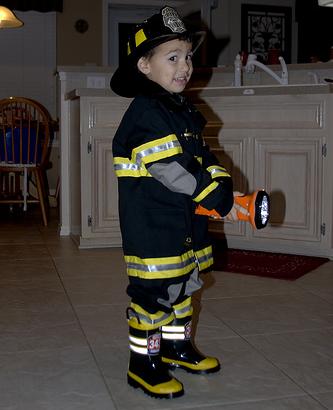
point(124, 167)
point(206, 191)
point(183, 309)
point(160, 268)
point(155, 150)
point(205, 257)
point(217, 171)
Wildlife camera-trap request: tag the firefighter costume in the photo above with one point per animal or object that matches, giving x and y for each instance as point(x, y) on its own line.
point(164, 172)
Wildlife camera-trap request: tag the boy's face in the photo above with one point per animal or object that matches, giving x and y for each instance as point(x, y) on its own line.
point(170, 65)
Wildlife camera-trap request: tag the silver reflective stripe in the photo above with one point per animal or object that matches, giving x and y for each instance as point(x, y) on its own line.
point(173, 329)
point(218, 170)
point(127, 167)
point(173, 336)
point(214, 170)
point(138, 341)
point(138, 345)
point(154, 150)
point(147, 346)
point(148, 320)
point(140, 350)
point(173, 332)
point(162, 267)
point(205, 258)
point(180, 312)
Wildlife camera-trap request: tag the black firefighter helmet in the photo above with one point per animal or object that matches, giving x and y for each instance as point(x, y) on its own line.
point(159, 28)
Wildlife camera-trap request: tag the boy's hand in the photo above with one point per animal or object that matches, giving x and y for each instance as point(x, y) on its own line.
point(232, 215)
point(200, 210)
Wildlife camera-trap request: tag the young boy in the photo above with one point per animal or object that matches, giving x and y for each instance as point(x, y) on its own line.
point(164, 172)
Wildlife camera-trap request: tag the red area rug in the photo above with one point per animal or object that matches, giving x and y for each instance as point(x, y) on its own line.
point(266, 264)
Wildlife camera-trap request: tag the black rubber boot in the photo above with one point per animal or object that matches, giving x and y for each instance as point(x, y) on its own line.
point(177, 349)
point(146, 369)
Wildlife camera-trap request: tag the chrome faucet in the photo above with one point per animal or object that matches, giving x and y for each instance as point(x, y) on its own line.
point(252, 62)
point(315, 77)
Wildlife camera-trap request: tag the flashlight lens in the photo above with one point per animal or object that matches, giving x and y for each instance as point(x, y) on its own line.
point(261, 209)
point(264, 210)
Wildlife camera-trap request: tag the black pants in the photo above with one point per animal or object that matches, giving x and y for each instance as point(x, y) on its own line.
point(161, 294)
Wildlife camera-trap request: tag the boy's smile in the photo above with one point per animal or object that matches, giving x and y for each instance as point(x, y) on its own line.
point(170, 65)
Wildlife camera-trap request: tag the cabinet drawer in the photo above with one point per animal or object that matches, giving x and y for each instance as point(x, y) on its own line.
point(261, 113)
point(104, 113)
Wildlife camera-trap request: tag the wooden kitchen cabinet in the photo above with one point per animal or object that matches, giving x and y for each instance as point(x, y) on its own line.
point(274, 139)
point(93, 184)
point(283, 144)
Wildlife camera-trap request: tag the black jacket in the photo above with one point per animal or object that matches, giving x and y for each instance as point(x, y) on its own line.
point(164, 171)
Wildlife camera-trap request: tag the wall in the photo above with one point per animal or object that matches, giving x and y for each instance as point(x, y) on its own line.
point(28, 65)
point(28, 60)
point(31, 55)
point(79, 49)
point(74, 48)
point(226, 23)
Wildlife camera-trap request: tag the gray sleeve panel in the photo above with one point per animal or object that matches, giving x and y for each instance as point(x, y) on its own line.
point(174, 177)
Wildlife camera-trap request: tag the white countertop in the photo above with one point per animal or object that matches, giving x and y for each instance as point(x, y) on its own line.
point(292, 89)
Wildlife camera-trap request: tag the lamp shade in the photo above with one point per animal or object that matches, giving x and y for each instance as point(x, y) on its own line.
point(326, 3)
point(8, 19)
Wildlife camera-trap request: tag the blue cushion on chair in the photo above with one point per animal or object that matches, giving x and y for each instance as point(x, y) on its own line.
point(26, 157)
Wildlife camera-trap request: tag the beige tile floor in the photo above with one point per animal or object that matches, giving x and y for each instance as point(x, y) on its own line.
point(63, 334)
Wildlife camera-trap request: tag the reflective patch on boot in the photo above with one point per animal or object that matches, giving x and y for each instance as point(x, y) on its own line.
point(154, 343)
point(188, 330)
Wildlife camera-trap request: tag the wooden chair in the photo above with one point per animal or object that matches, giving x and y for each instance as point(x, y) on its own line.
point(25, 132)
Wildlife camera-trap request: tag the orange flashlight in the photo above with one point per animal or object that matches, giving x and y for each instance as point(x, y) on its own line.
point(257, 204)
point(258, 207)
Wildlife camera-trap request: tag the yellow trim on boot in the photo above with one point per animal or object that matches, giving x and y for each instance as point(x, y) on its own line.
point(168, 388)
point(206, 365)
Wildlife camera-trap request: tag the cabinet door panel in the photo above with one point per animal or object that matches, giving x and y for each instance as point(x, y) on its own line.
point(107, 113)
point(104, 188)
point(291, 170)
point(231, 156)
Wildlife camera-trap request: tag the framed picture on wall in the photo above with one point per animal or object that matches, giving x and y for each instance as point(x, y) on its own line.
point(266, 32)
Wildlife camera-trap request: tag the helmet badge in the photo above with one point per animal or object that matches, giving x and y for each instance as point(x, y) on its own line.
point(172, 20)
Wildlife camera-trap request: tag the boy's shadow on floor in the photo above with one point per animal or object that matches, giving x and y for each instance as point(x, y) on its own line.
point(208, 282)
point(220, 246)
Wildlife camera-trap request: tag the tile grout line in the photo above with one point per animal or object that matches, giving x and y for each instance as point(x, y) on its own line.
point(280, 370)
point(84, 334)
point(266, 358)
